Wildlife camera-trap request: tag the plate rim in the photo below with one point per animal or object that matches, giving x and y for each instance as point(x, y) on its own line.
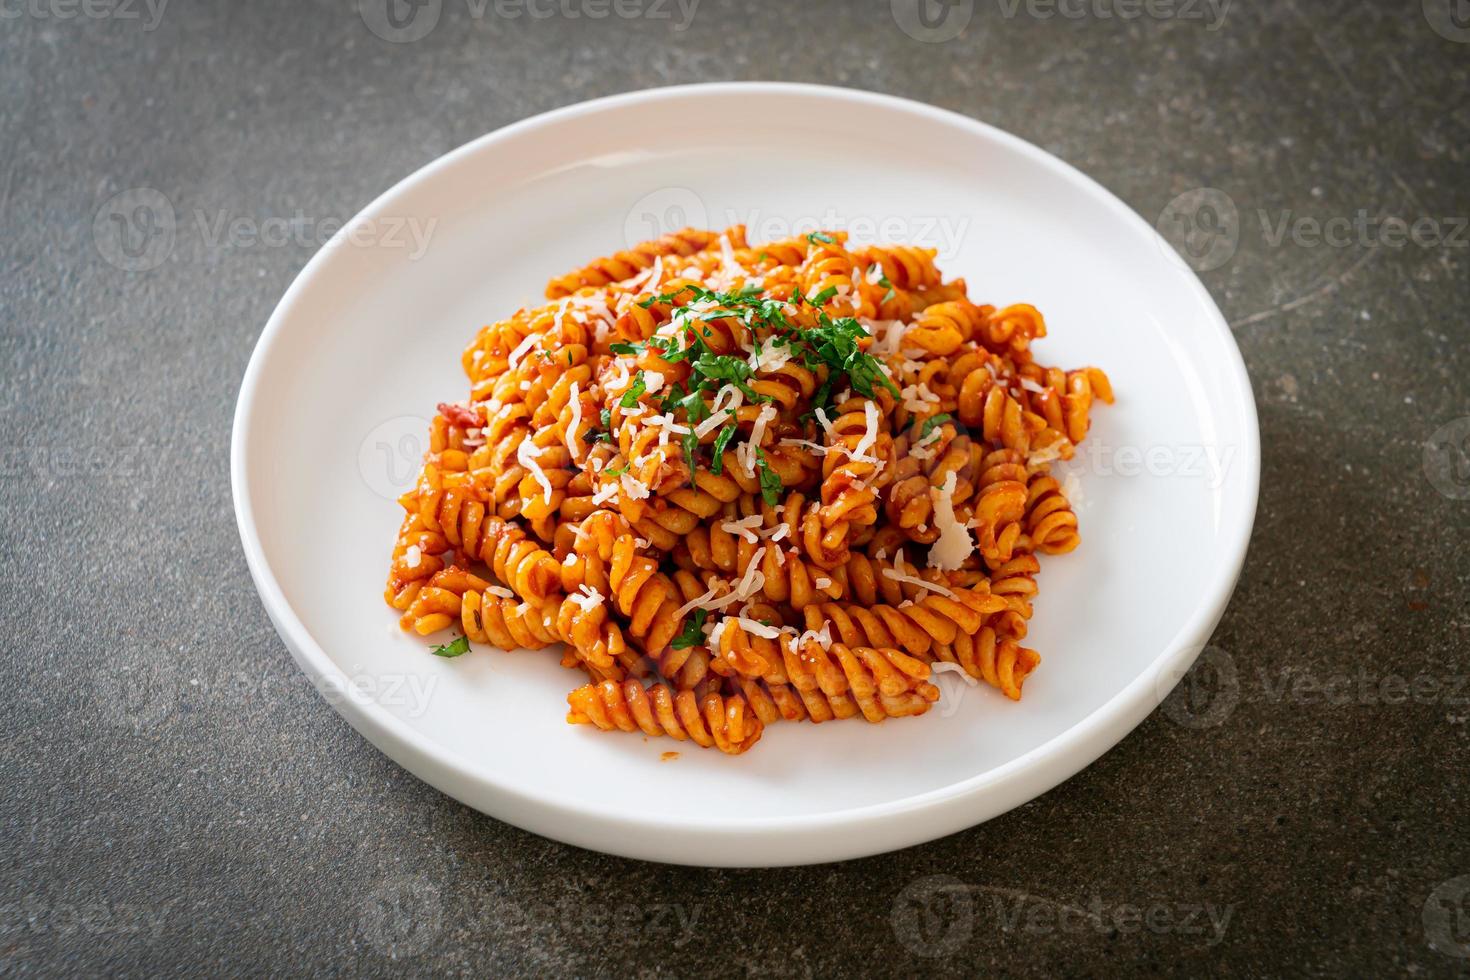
point(1025, 777)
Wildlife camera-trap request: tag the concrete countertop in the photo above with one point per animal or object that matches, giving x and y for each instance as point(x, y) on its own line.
point(177, 799)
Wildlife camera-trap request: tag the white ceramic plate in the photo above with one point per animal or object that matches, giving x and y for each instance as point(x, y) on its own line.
point(331, 419)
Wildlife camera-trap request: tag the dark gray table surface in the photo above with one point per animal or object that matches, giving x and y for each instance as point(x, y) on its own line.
point(176, 798)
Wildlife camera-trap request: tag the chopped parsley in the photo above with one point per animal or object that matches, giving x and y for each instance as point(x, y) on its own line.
point(456, 647)
point(930, 423)
point(770, 480)
point(631, 396)
point(721, 441)
point(821, 236)
point(693, 634)
point(821, 298)
point(691, 452)
point(606, 416)
point(623, 348)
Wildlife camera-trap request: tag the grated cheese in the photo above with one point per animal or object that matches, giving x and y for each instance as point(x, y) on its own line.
point(757, 628)
point(635, 488)
point(576, 422)
point(745, 527)
point(870, 437)
point(754, 579)
point(944, 666)
point(413, 557)
point(900, 576)
point(711, 424)
point(524, 348)
point(955, 542)
point(526, 455)
point(587, 598)
point(746, 453)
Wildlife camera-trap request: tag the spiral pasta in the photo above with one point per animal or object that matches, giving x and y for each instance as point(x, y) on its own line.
point(743, 484)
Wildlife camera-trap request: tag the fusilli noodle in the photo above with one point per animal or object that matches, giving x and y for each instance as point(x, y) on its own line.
point(744, 484)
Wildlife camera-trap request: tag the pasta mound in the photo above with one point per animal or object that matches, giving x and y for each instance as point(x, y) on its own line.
point(743, 484)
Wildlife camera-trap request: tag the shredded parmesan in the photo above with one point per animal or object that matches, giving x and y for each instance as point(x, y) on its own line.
point(1032, 386)
point(757, 628)
point(575, 402)
point(747, 452)
point(955, 542)
point(900, 576)
point(635, 488)
point(526, 455)
point(501, 591)
point(754, 579)
point(822, 583)
point(745, 527)
point(413, 556)
point(587, 598)
point(826, 422)
point(711, 424)
point(944, 666)
point(524, 348)
point(870, 437)
point(607, 493)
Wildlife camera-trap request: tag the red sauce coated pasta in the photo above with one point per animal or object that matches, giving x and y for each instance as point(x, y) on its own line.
point(745, 484)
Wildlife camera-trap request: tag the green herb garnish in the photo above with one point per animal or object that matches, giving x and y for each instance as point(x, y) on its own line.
point(457, 647)
point(770, 480)
point(821, 236)
point(631, 396)
point(693, 634)
point(721, 441)
point(930, 423)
